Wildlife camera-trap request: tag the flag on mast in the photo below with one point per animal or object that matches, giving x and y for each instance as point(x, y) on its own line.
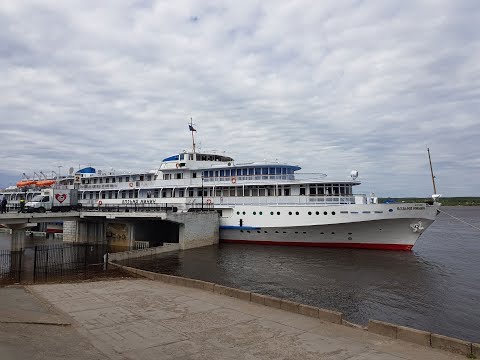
point(191, 128)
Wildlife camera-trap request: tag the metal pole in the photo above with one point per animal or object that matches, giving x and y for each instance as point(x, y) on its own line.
point(202, 191)
point(35, 264)
point(431, 171)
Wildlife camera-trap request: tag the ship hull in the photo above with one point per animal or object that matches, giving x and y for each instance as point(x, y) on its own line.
point(387, 231)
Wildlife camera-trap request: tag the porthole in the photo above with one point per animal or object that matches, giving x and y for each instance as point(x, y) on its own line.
point(254, 213)
point(322, 233)
point(248, 231)
point(349, 233)
point(266, 232)
point(258, 231)
point(276, 232)
point(333, 232)
point(349, 238)
point(297, 213)
point(244, 213)
point(260, 213)
point(296, 232)
point(284, 232)
point(333, 212)
point(238, 212)
point(289, 213)
point(390, 210)
point(278, 212)
point(309, 213)
point(325, 213)
point(241, 230)
point(317, 213)
point(271, 212)
point(304, 232)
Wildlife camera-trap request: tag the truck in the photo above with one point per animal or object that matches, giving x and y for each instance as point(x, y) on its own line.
point(55, 200)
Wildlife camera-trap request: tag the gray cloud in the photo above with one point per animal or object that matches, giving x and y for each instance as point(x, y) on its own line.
point(329, 86)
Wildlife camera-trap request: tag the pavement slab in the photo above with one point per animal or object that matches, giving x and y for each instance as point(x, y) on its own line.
point(144, 319)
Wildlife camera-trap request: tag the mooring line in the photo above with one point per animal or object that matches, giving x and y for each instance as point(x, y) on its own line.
point(463, 221)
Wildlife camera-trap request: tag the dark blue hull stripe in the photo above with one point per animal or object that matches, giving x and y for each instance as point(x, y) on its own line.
point(239, 228)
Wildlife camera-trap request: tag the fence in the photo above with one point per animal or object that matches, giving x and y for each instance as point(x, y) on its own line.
point(56, 262)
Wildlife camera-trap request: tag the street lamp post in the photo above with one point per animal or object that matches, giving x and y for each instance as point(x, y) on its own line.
point(202, 192)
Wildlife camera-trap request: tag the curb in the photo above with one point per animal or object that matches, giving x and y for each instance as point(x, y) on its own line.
point(419, 337)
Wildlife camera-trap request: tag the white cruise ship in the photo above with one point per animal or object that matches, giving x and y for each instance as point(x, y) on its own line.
point(258, 202)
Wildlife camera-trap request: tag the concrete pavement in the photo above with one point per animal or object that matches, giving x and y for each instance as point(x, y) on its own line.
point(144, 319)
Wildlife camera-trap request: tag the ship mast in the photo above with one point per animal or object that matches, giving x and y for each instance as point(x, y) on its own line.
point(192, 129)
point(431, 172)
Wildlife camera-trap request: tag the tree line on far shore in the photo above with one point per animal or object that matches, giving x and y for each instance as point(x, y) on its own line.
point(446, 201)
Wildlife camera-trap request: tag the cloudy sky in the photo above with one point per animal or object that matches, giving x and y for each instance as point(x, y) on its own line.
point(328, 85)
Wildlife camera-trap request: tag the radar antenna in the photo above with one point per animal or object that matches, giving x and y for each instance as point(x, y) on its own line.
point(354, 174)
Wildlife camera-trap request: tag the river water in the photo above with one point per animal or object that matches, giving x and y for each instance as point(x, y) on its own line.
point(435, 287)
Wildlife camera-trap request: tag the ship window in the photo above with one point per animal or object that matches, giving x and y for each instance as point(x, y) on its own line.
point(264, 171)
point(179, 175)
point(260, 213)
point(390, 210)
point(181, 193)
point(94, 181)
point(309, 213)
point(366, 212)
point(325, 213)
point(210, 173)
point(182, 156)
point(302, 190)
point(190, 156)
point(378, 212)
point(261, 192)
point(278, 212)
point(317, 213)
point(141, 177)
point(333, 212)
point(103, 195)
point(107, 180)
point(244, 213)
point(216, 173)
point(297, 213)
point(278, 171)
point(222, 173)
point(248, 231)
point(286, 192)
point(227, 172)
point(123, 195)
point(232, 191)
point(271, 171)
point(271, 212)
point(238, 212)
point(284, 171)
point(245, 172)
point(296, 232)
point(241, 230)
point(257, 171)
point(194, 175)
point(276, 232)
point(313, 190)
point(289, 213)
point(254, 192)
point(258, 231)
point(127, 178)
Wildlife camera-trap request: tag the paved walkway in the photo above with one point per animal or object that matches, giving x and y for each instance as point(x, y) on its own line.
point(143, 319)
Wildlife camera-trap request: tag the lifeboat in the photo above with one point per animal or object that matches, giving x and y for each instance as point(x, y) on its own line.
point(43, 183)
point(23, 183)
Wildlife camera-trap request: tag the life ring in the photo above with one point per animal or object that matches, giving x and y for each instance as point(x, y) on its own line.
point(234, 180)
point(130, 184)
point(177, 165)
point(100, 202)
point(209, 202)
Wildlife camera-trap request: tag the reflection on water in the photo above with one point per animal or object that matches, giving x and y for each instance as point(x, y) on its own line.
point(435, 287)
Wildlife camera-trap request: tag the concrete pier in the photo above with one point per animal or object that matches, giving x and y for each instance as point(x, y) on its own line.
point(144, 319)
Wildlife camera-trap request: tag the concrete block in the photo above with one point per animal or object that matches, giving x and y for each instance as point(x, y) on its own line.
point(419, 337)
point(308, 310)
point(451, 344)
point(272, 302)
point(353, 325)
point(382, 328)
point(178, 280)
point(257, 298)
point(288, 305)
point(208, 286)
point(476, 350)
point(330, 316)
point(239, 294)
point(192, 283)
point(220, 289)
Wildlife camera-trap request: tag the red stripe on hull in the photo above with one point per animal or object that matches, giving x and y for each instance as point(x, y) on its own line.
point(401, 247)
point(54, 231)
